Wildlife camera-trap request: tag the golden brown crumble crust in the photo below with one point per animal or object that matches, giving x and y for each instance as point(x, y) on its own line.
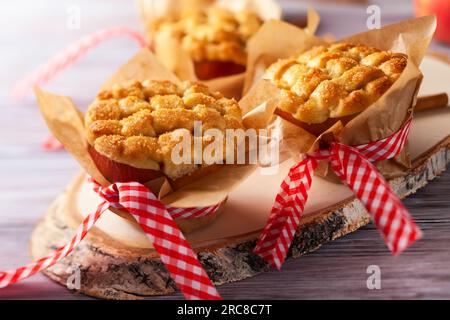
point(336, 81)
point(212, 34)
point(139, 124)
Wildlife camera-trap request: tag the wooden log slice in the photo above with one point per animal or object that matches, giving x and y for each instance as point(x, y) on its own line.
point(110, 271)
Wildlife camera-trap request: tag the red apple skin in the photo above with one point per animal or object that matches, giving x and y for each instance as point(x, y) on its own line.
point(118, 172)
point(207, 70)
point(441, 8)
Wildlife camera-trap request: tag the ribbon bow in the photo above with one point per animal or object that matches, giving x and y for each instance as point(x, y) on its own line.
point(156, 220)
point(353, 166)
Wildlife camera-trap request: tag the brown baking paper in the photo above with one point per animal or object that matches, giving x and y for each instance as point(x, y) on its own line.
point(168, 50)
point(65, 121)
point(381, 119)
point(267, 46)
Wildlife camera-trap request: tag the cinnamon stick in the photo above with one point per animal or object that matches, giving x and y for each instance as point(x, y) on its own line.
point(434, 101)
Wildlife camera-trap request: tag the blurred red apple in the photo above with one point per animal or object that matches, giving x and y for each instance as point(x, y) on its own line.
point(441, 8)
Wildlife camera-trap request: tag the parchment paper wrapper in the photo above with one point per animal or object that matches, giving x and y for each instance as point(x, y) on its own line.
point(169, 51)
point(381, 119)
point(66, 123)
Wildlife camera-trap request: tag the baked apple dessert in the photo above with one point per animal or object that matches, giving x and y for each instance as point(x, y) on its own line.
point(215, 38)
point(328, 84)
point(133, 129)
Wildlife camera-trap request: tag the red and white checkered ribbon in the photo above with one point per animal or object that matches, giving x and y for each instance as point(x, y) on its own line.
point(71, 54)
point(157, 221)
point(353, 166)
point(64, 59)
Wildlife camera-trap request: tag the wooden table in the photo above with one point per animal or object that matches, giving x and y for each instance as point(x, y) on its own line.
point(31, 178)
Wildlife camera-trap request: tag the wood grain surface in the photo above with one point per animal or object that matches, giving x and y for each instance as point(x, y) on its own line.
point(33, 30)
